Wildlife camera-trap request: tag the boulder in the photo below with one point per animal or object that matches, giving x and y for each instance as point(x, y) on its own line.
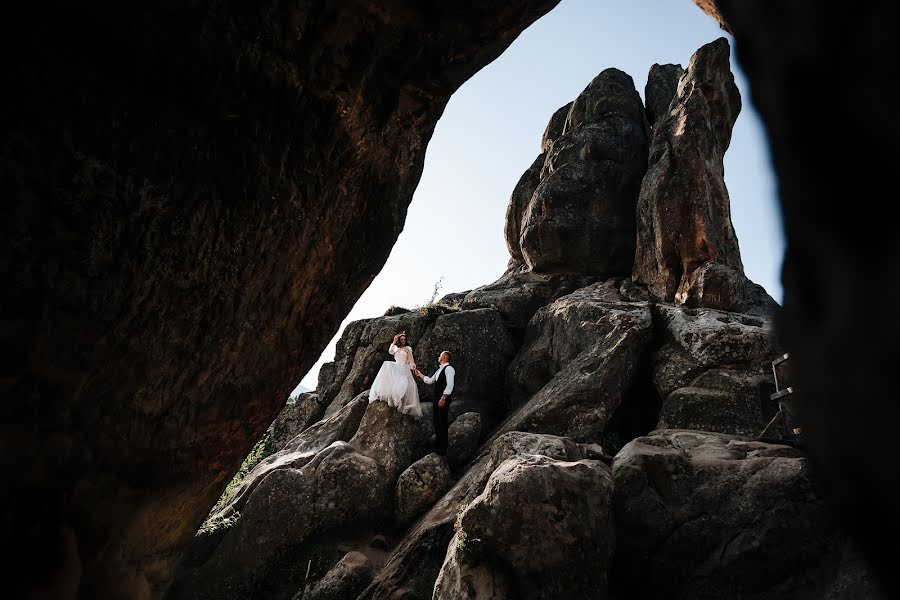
point(420, 486)
point(661, 88)
point(345, 579)
point(394, 440)
point(687, 250)
point(294, 418)
point(700, 514)
point(542, 528)
point(575, 223)
point(581, 216)
point(463, 436)
point(713, 370)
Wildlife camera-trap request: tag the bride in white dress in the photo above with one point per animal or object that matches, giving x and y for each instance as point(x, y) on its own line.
point(394, 383)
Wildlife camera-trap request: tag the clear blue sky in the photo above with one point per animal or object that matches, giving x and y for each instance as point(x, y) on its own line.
point(491, 132)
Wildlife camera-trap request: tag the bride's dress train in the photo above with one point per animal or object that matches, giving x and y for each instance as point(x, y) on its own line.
point(395, 384)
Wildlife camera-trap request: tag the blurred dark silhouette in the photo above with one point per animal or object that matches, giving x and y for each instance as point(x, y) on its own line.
point(38, 551)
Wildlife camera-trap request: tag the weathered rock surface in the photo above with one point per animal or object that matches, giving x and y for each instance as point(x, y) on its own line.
point(580, 218)
point(661, 88)
point(704, 513)
point(579, 357)
point(687, 250)
point(346, 579)
point(420, 485)
point(462, 437)
point(714, 370)
point(519, 293)
point(723, 400)
point(555, 126)
point(713, 337)
point(294, 418)
point(541, 528)
point(521, 195)
point(184, 234)
point(300, 450)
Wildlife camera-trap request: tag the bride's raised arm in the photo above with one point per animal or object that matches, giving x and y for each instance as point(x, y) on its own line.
point(393, 347)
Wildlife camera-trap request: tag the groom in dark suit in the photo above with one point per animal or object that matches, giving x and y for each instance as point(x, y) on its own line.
point(443, 380)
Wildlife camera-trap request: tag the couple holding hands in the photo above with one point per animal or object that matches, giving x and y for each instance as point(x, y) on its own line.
point(395, 385)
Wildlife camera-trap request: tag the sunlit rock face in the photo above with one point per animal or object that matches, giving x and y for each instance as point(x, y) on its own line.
point(687, 250)
point(195, 196)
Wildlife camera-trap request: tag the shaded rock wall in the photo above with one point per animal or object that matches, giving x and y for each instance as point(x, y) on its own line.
point(195, 196)
point(841, 365)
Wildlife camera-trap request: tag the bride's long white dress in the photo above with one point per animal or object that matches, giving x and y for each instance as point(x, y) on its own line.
point(395, 384)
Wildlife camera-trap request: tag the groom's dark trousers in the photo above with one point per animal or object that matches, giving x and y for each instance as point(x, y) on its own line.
point(441, 415)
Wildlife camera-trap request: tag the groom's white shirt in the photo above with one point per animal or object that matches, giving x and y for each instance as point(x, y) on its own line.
point(451, 374)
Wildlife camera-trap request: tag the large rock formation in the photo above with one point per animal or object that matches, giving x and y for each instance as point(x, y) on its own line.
point(195, 196)
point(161, 217)
point(580, 216)
point(687, 250)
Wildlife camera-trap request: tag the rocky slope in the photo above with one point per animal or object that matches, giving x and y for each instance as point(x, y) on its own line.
point(663, 348)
